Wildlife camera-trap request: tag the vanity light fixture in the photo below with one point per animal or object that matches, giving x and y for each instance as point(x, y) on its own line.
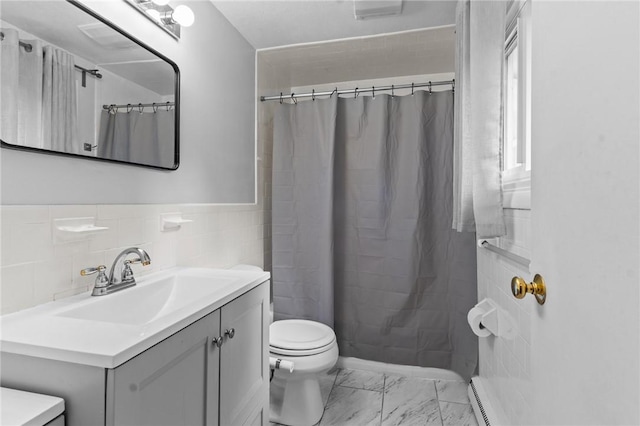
point(160, 13)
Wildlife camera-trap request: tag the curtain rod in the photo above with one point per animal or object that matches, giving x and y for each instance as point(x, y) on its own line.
point(26, 46)
point(131, 107)
point(357, 90)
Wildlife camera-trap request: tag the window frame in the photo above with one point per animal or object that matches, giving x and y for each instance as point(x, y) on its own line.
point(516, 181)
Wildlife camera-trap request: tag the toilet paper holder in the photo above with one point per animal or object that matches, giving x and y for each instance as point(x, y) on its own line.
point(491, 319)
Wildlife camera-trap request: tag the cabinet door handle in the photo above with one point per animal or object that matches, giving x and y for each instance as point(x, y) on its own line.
point(217, 341)
point(230, 332)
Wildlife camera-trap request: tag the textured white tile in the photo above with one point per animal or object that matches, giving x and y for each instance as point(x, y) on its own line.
point(130, 232)
point(220, 237)
point(410, 401)
point(12, 215)
point(349, 406)
point(452, 391)
point(52, 277)
point(454, 414)
point(16, 291)
point(26, 242)
point(369, 380)
point(69, 211)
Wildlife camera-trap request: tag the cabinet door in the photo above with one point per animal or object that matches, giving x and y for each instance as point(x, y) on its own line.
point(172, 383)
point(244, 358)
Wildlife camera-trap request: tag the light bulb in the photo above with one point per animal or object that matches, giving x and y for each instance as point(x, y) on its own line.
point(160, 2)
point(183, 16)
point(154, 14)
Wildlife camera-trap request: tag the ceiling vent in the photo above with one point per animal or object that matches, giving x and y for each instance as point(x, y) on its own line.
point(364, 9)
point(106, 37)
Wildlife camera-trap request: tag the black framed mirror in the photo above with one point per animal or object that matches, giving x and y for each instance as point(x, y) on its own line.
point(74, 84)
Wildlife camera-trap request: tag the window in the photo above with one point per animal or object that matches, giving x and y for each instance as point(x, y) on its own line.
point(516, 149)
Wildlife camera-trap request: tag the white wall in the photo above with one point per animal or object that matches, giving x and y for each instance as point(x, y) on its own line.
point(576, 359)
point(217, 145)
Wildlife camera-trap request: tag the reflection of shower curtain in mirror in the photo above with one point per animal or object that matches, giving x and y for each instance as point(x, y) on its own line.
point(143, 138)
point(37, 95)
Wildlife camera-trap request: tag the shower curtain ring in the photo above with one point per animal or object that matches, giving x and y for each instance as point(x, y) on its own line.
point(129, 108)
point(140, 108)
point(168, 106)
point(355, 93)
point(313, 94)
point(393, 95)
point(411, 89)
point(293, 98)
point(280, 97)
point(155, 107)
point(373, 90)
point(334, 91)
point(429, 87)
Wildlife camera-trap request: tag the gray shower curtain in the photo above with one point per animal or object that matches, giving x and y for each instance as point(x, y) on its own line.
point(138, 137)
point(362, 210)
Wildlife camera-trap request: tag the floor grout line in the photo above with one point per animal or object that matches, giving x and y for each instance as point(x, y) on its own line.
point(435, 385)
point(384, 391)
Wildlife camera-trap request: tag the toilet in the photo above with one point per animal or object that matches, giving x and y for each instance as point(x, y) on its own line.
point(310, 349)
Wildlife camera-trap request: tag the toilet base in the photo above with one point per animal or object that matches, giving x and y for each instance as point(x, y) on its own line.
point(296, 402)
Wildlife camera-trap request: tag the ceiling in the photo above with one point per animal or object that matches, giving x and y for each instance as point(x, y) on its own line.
point(269, 23)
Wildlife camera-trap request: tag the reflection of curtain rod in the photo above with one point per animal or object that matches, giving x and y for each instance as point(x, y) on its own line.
point(95, 73)
point(355, 92)
point(26, 46)
point(131, 107)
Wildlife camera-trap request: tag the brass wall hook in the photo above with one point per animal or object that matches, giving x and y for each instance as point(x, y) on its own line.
point(520, 288)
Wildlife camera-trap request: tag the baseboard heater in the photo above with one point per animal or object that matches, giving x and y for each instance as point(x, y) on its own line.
point(480, 402)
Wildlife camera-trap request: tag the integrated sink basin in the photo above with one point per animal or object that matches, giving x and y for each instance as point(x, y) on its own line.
point(105, 331)
point(150, 299)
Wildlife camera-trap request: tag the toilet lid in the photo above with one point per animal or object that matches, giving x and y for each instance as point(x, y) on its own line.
point(300, 335)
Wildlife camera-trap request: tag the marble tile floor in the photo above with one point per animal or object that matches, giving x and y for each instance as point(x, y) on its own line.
point(354, 397)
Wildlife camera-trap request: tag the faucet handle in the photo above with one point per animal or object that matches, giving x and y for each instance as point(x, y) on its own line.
point(136, 260)
point(101, 279)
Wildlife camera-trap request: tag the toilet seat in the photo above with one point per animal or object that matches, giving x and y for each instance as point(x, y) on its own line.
point(300, 337)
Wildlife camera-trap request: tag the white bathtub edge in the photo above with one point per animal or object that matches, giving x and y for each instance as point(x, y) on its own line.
point(401, 370)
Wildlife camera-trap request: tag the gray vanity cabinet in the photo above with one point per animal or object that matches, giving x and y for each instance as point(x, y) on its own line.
point(244, 359)
point(173, 383)
point(183, 380)
point(188, 380)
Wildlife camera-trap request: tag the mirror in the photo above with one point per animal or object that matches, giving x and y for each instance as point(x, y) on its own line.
point(74, 84)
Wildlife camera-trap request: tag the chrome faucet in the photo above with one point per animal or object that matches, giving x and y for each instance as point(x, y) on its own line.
point(120, 276)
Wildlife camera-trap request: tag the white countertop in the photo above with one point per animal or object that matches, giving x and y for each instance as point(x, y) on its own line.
point(28, 409)
point(45, 332)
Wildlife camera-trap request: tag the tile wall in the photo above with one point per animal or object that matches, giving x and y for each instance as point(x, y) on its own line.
point(35, 270)
point(505, 362)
